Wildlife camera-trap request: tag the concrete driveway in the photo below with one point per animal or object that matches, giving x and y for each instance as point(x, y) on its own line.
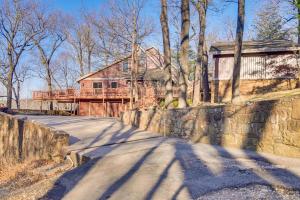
point(127, 163)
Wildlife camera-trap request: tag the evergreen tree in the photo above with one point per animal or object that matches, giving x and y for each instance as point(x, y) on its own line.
point(269, 25)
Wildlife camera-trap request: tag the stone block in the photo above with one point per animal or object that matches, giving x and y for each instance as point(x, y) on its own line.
point(293, 125)
point(287, 150)
point(204, 139)
point(296, 109)
point(228, 140)
point(292, 138)
point(265, 147)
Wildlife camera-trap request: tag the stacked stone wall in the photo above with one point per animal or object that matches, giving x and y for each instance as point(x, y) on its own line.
point(221, 89)
point(21, 139)
point(271, 126)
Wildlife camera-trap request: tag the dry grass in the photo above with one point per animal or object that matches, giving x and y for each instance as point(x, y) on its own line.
point(273, 95)
point(21, 174)
point(14, 179)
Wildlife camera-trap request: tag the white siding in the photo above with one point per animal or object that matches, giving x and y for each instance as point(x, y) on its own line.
point(259, 67)
point(225, 68)
point(253, 67)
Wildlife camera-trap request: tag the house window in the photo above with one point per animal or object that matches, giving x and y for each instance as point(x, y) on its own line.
point(97, 84)
point(125, 66)
point(113, 84)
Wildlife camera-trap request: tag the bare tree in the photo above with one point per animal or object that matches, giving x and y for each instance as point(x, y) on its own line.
point(167, 53)
point(89, 45)
point(238, 50)
point(201, 72)
point(17, 29)
point(184, 53)
point(107, 48)
point(76, 40)
point(20, 75)
point(81, 37)
point(65, 74)
point(230, 28)
point(47, 44)
point(129, 27)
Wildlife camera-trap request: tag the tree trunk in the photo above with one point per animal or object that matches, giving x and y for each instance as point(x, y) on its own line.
point(238, 50)
point(9, 87)
point(136, 87)
point(80, 60)
point(184, 48)
point(17, 94)
point(298, 9)
point(89, 61)
point(167, 54)
point(205, 83)
point(201, 72)
point(49, 84)
point(134, 70)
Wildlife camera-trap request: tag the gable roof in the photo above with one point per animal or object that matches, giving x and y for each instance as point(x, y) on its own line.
point(220, 48)
point(117, 61)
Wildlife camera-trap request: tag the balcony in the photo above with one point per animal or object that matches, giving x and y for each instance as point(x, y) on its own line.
point(106, 93)
point(54, 95)
point(71, 95)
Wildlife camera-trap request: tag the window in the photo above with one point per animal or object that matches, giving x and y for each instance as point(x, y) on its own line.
point(113, 84)
point(97, 84)
point(125, 66)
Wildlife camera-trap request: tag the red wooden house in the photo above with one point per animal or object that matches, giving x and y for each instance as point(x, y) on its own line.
point(106, 92)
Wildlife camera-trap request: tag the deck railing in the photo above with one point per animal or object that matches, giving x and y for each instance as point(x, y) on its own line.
point(100, 93)
point(105, 93)
point(55, 94)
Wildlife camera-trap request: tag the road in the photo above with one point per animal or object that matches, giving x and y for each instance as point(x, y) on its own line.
point(127, 163)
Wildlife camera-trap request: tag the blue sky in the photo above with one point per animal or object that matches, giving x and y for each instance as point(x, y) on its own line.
point(215, 22)
point(73, 6)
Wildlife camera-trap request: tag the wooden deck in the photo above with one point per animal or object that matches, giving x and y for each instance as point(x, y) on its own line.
point(73, 95)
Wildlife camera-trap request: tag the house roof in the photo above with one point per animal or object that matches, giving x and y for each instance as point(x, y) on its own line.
point(220, 48)
point(117, 61)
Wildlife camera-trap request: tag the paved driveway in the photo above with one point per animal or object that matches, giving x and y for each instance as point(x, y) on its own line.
point(132, 164)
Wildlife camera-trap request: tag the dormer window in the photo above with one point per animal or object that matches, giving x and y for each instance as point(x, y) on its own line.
point(125, 66)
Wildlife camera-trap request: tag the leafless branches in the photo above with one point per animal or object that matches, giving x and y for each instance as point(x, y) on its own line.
point(17, 30)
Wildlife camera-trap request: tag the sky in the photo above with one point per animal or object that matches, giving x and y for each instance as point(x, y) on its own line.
point(215, 22)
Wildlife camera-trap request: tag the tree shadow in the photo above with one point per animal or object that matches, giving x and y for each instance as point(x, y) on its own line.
point(122, 180)
point(199, 178)
point(194, 168)
point(260, 115)
point(59, 190)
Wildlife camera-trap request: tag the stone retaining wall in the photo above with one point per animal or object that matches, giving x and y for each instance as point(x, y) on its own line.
point(221, 89)
point(267, 126)
point(21, 139)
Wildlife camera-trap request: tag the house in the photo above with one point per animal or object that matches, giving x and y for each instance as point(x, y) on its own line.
point(106, 92)
point(265, 66)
